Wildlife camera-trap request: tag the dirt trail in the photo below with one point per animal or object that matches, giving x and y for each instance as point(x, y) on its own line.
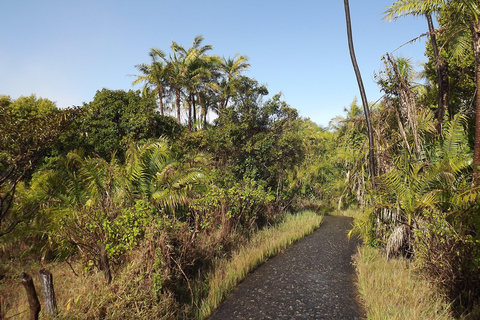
point(311, 280)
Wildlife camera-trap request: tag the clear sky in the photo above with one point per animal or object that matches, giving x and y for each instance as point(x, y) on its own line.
point(67, 50)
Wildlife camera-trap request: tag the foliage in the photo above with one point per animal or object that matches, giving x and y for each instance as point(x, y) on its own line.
point(114, 119)
point(242, 208)
point(191, 78)
point(167, 178)
point(257, 140)
point(313, 184)
point(28, 126)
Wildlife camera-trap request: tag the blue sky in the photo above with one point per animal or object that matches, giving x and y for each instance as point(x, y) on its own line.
point(67, 50)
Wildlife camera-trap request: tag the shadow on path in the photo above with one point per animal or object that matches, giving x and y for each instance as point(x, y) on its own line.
point(313, 279)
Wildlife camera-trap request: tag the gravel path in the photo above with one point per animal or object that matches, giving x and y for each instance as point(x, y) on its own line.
point(311, 280)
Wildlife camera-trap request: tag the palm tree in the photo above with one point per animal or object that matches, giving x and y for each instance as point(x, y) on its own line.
point(415, 190)
point(462, 16)
point(403, 8)
point(231, 69)
point(96, 191)
point(189, 67)
point(399, 74)
point(176, 80)
point(371, 154)
point(208, 87)
point(154, 74)
point(166, 178)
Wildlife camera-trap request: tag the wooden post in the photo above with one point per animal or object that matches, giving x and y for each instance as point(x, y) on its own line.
point(33, 302)
point(46, 279)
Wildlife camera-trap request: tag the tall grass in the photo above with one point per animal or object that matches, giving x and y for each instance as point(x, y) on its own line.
point(263, 246)
point(392, 289)
point(131, 296)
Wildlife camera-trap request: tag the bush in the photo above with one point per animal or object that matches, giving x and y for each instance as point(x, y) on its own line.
point(449, 253)
point(242, 208)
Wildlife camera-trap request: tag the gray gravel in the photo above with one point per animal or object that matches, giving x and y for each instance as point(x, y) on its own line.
point(311, 280)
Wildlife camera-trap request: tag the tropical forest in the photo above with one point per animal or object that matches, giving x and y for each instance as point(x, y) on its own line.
point(154, 203)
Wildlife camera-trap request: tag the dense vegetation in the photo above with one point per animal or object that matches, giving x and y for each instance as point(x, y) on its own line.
point(153, 202)
point(150, 201)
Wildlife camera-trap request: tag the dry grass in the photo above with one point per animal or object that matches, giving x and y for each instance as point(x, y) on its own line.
point(86, 296)
point(263, 246)
point(352, 213)
point(69, 288)
point(392, 289)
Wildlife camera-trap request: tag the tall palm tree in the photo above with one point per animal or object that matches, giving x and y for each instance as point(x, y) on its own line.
point(188, 63)
point(231, 68)
point(155, 74)
point(208, 87)
point(463, 16)
point(176, 80)
point(371, 154)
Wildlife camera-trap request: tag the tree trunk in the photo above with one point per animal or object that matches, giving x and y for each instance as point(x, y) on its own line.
point(2, 314)
point(476, 152)
point(48, 293)
point(34, 304)
point(203, 116)
point(177, 100)
point(104, 264)
point(371, 154)
point(160, 97)
point(220, 106)
point(442, 76)
point(190, 112)
point(194, 107)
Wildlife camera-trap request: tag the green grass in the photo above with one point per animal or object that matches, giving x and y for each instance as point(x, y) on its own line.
point(263, 246)
point(393, 289)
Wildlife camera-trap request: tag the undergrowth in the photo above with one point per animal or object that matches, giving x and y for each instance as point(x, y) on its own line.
point(394, 289)
point(141, 287)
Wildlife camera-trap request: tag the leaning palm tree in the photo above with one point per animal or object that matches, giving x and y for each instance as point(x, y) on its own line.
point(371, 154)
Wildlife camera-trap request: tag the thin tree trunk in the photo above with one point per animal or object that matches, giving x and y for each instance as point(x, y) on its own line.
point(476, 152)
point(203, 116)
point(34, 304)
point(442, 76)
point(194, 108)
point(190, 113)
point(177, 100)
point(104, 264)
point(160, 97)
point(2, 314)
point(371, 154)
point(220, 106)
